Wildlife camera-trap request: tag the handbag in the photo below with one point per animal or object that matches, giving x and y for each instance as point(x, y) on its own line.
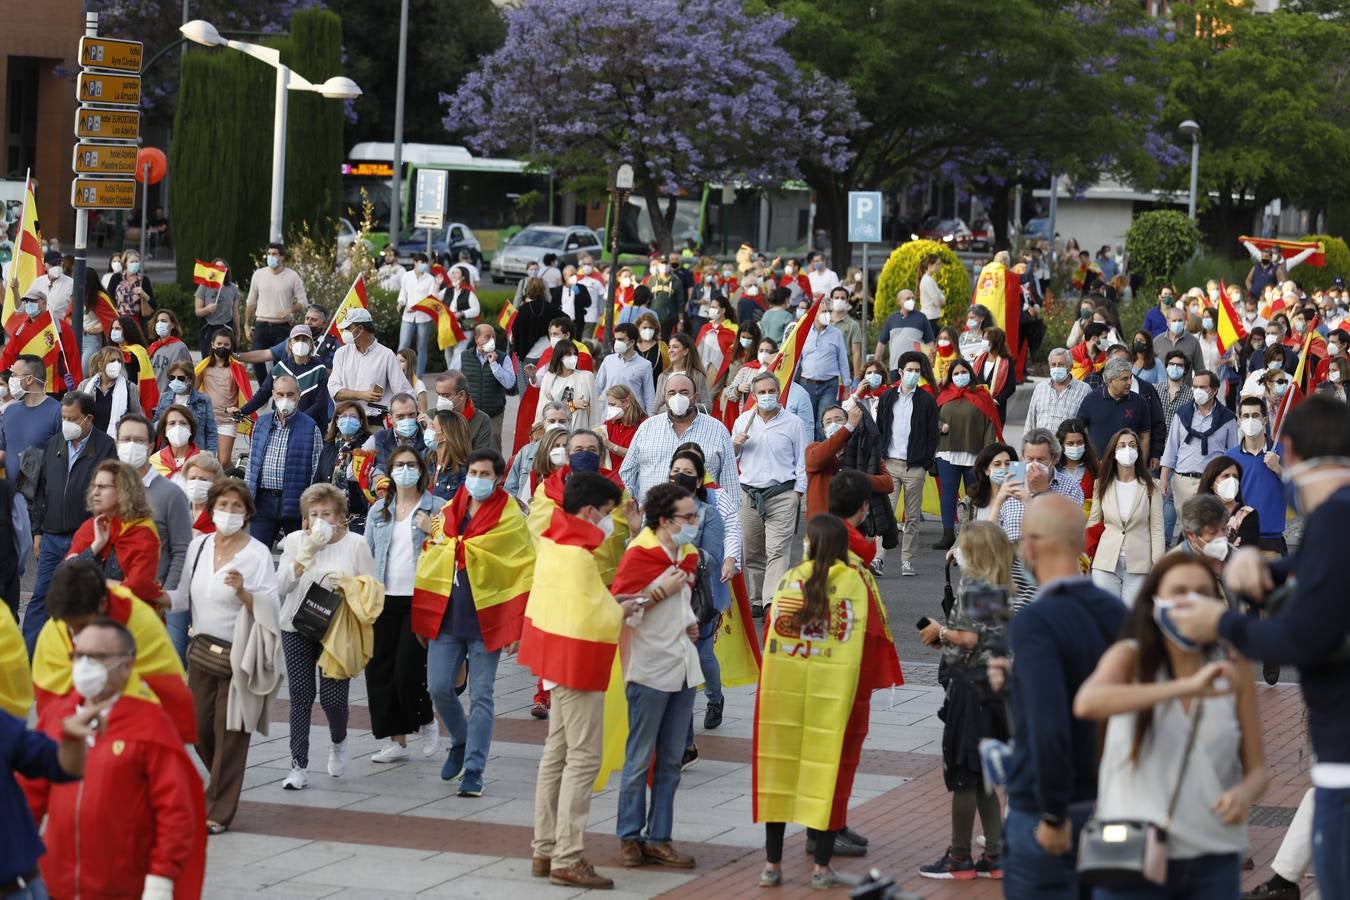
point(210, 655)
point(700, 599)
point(316, 612)
point(1129, 851)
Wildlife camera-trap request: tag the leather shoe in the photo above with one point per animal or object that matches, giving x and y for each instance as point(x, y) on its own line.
point(664, 854)
point(852, 836)
point(712, 717)
point(539, 866)
point(630, 853)
point(582, 875)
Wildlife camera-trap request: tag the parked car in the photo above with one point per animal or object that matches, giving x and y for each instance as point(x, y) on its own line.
point(1036, 230)
point(346, 237)
point(530, 245)
point(954, 232)
point(446, 243)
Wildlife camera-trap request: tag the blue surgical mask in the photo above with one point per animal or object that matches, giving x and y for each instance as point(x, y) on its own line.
point(1176, 327)
point(687, 534)
point(30, 309)
point(134, 267)
point(767, 402)
point(178, 385)
point(349, 425)
point(406, 427)
point(997, 476)
point(479, 488)
point(405, 475)
point(972, 324)
point(422, 268)
point(429, 438)
point(162, 328)
point(1207, 323)
point(961, 379)
point(1175, 372)
point(873, 380)
point(1060, 374)
point(1161, 615)
point(272, 262)
point(584, 461)
point(910, 379)
point(1076, 452)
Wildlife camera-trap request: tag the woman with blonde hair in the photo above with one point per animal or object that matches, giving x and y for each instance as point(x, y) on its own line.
point(1129, 508)
point(551, 456)
point(970, 713)
point(623, 415)
point(173, 443)
point(114, 394)
point(200, 473)
point(448, 453)
point(120, 536)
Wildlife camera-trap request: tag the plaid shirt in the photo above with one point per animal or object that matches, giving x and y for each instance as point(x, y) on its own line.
point(274, 461)
point(1170, 406)
point(1010, 515)
point(1050, 407)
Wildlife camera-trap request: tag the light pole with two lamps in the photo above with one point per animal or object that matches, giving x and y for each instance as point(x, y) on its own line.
point(1191, 129)
point(339, 87)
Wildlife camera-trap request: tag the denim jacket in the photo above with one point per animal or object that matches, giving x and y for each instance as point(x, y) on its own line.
point(711, 542)
point(379, 530)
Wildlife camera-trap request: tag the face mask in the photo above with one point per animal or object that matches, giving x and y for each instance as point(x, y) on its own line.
point(489, 346)
point(569, 363)
point(178, 435)
point(620, 347)
point(752, 291)
point(531, 273)
point(823, 319)
point(134, 267)
point(1227, 489)
point(832, 429)
point(1176, 327)
point(272, 262)
point(1276, 364)
point(584, 461)
point(1272, 340)
point(1076, 452)
point(799, 313)
point(647, 334)
point(322, 530)
point(765, 357)
point(554, 426)
point(163, 328)
point(747, 342)
point(346, 335)
point(1334, 375)
point(16, 386)
point(422, 268)
point(1085, 313)
point(612, 412)
point(998, 476)
point(479, 488)
point(406, 427)
point(227, 523)
point(1207, 323)
point(972, 324)
point(115, 335)
point(1214, 293)
point(1202, 396)
point(429, 438)
point(606, 526)
point(1300, 326)
point(348, 425)
point(301, 349)
point(1140, 347)
point(1280, 388)
point(961, 379)
point(1216, 549)
point(873, 380)
point(197, 489)
point(405, 476)
point(1334, 349)
point(767, 402)
point(1161, 608)
point(911, 379)
point(30, 309)
point(685, 480)
point(283, 406)
point(678, 404)
point(557, 456)
point(1175, 372)
point(685, 534)
point(1252, 427)
point(1126, 456)
point(839, 305)
point(444, 404)
point(222, 353)
point(71, 431)
point(117, 266)
point(132, 453)
point(89, 677)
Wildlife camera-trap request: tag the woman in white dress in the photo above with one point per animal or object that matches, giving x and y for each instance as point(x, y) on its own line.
point(565, 383)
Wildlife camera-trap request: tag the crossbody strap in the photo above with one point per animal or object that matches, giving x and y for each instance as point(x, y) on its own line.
point(1185, 760)
point(195, 560)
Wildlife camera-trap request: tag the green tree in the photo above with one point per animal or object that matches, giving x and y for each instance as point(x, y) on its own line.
point(314, 126)
point(902, 271)
point(1159, 242)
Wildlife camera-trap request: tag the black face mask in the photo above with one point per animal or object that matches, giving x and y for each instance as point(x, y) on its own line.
point(1140, 347)
point(221, 352)
point(686, 481)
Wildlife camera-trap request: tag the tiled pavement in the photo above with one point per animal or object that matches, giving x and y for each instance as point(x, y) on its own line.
point(398, 830)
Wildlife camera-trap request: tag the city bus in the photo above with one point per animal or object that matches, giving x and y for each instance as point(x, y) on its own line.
point(719, 218)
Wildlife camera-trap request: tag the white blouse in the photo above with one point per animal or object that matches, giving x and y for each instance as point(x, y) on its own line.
point(348, 556)
point(202, 589)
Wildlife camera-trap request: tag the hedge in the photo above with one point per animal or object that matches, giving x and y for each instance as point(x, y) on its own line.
point(1313, 278)
point(902, 271)
point(1160, 242)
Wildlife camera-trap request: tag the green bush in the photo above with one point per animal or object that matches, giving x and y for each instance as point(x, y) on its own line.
point(179, 300)
point(1312, 278)
point(1160, 242)
point(1196, 272)
point(902, 271)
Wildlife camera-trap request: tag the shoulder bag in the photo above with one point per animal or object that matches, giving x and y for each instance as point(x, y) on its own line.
point(210, 655)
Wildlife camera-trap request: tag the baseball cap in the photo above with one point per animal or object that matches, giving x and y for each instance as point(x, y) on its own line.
point(358, 316)
point(302, 331)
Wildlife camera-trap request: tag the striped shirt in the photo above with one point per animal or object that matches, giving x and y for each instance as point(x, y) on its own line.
point(1050, 407)
point(1010, 515)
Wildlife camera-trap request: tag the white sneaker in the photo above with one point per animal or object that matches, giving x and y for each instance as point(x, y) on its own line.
point(431, 738)
point(296, 781)
point(391, 753)
point(337, 759)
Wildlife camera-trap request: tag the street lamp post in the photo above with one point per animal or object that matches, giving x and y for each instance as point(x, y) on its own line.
point(619, 189)
point(1191, 129)
point(339, 87)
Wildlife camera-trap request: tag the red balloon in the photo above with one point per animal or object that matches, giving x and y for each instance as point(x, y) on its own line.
point(156, 160)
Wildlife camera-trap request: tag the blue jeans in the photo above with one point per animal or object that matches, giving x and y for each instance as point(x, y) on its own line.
point(1331, 842)
point(949, 479)
point(444, 656)
point(178, 624)
point(1029, 873)
point(34, 890)
point(267, 524)
point(422, 331)
point(822, 394)
point(54, 549)
point(712, 671)
point(1169, 519)
point(657, 723)
point(1215, 875)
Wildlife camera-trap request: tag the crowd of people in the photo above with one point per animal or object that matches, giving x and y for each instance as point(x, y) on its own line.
point(205, 522)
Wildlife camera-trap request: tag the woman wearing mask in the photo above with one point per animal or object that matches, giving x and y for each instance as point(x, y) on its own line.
point(623, 415)
point(323, 553)
point(746, 294)
point(216, 308)
point(568, 384)
point(717, 347)
point(408, 357)
point(1085, 310)
point(396, 678)
point(167, 346)
point(303, 364)
point(550, 457)
point(970, 712)
point(126, 335)
point(517, 482)
point(461, 300)
point(931, 297)
point(131, 291)
point(114, 396)
point(1129, 508)
point(744, 366)
point(874, 383)
point(181, 390)
point(1079, 460)
point(223, 379)
point(624, 286)
point(91, 338)
point(996, 371)
point(344, 437)
point(1223, 478)
point(1274, 384)
point(1208, 336)
point(684, 360)
point(945, 353)
point(1337, 374)
point(448, 448)
point(1182, 746)
point(173, 443)
point(120, 536)
point(649, 345)
point(115, 267)
point(199, 474)
point(968, 421)
point(991, 469)
point(1145, 361)
point(229, 587)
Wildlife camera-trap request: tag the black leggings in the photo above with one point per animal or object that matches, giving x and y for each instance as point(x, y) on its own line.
point(773, 843)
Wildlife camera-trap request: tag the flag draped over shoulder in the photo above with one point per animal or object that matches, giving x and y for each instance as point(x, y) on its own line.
point(548, 498)
point(208, 274)
point(789, 356)
point(1228, 328)
point(448, 330)
point(146, 383)
point(156, 664)
point(495, 552)
point(16, 683)
point(105, 311)
point(27, 263)
point(355, 297)
point(999, 290)
point(811, 710)
point(243, 388)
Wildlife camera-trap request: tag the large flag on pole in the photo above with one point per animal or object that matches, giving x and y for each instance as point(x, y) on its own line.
point(1296, 392)
point(356, 296)
point(789, 356)
point(448, 330)
point(27, 263)
point(1228, 326)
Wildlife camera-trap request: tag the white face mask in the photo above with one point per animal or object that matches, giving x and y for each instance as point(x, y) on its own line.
point(1334, 375)
point(1216, 549)
point(117, 266)
point(227, 523)
point(322, 530)
point(557, 456)
point(16, 386)
point(647, 334)
point(284, 405)
point(1127, 456)
point(1251, 427)
point(678, 404)
point(89, 677)
point(115, 335)
point(346, 335)
point(620, 347)
point(839, 305)
point(612, 412)
point(908, 305)
point(71, 431)
point(489, 346)
point(197, 489)
point(832, 429)
point(823, 318)
point(765, 357)
point(606, 526)
point(113, 370)
point(301, 349)
point(444, 403)
point(1226, 488)
point(132, 453)
point(1201, 396)
point(569, 363)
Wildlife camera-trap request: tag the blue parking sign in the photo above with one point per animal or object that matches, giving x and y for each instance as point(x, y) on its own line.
point(864, 217)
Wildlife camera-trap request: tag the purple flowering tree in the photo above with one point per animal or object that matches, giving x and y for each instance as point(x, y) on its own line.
point(686, 91)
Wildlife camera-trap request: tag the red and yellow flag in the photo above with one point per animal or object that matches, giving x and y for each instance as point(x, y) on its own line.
point(27, 263)
point(1297, 387)
point(737, 647)
point(507, 317)
point(363, 466)
point(356, 296)
point(1228, 327)
point(495, 552)
point(104, 309)
point(448, 330)
point(146, 383)
point(999, 290)
point(1290, 249)
point(789, 356)
point(208, 274)
point(548, 498)
point(16, 683)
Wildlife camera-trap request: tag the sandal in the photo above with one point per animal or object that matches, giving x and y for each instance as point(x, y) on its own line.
point(216, 827)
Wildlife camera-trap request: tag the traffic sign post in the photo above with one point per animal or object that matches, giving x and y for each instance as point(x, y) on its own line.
point(864, 227)
point(429, 206)
point(96, 158)
point(112, 124)
point(111, 54)
point(115, 90)
point(103, 193)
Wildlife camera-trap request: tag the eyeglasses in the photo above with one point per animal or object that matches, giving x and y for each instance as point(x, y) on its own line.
point(688, 518)
point(97, 657)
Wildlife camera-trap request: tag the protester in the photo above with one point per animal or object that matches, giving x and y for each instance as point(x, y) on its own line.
point(30, 421)
point(182, 391)
point(311, 376)
point(276, 294)
point(172, 444)
point(997, 370)
point(1223, 478)
point(216, 308)
point(566, 383)
point(29, 329)
point(650, 346)
point(823, 367)
point(283, 459)
point(905, 329)
point(1200, 431)
point(648, 460)
point(413, 286)
point(1127, 506)
point(224, 381)
point(1078, 459)
point(968, 421)
point(1261, 462)
point(1057, 398)
point(448, 449)
point(113, 393)
point(168, 508)
point(520, 481)
point(363, 369)
point(1114, 406)
point(684, 360)
point(991, 469)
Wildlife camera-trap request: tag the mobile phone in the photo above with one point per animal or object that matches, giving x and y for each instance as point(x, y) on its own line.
point(1017, 472)
point(923, 623)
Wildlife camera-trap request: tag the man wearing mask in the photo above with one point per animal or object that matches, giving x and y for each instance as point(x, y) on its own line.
point(1157, 433)
point(365, 370)
point(1200, 431)
point(820, 276)
point(823, 367)
point(414, 286)
point(1155, 320)
point(282, 461)
point(133, 826)
point(624, 366)
point(1262, 465)
point(452, 392)
point(1177, 338)
point(908, 422)
point(404, 430)
point(57, 287)
point(173, 521)
point(1056, 642)
point(316, 320)
point(29, 336)
point(59, 507)
point(300, 362)
point(31, 420)
point(1114, 407)
point(658, 437)
point(667, 295)
point(275, 296)
point(902, 330)
point(490, 373)
point(390, 273)
point(770, 444)
point(848, 327)
point(1058, 397)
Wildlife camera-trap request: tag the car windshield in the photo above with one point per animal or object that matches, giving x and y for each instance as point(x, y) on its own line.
point(537, 237)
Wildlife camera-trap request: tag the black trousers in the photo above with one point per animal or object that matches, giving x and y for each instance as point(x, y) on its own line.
point(396, 677)
point(265, 336)
point(773, 843)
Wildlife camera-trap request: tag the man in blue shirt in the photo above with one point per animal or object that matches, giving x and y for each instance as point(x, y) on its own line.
point(1115, 406)
point(1155, 320)
point(1262, 463)
point(823, 367)
point(624, 366)
point(316, 319)
point(905, 329)
point(32, 419)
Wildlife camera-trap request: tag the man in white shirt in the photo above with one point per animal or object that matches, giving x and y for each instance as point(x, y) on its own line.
point(770, 443)
point(823, 279)
point(365, 370)
point(587, 278)
point(624, 366)
point(57, 287)
point(413, 286)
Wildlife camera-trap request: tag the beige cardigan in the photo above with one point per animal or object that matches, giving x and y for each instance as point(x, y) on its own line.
point(1139, 532)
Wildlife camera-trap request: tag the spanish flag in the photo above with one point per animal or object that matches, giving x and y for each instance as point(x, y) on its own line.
point(1297, 388)
point(1228, 328)
point(572, 622)
point(811, 710)
point(724, 335)
point(507, 317)
point(737, 646)
point(208, 275)
point(157, 663)
point(16, 683)
point(1290, 249)
point(106, 312)
point(448, 330)
point(146, 383)
point(495, 553)
point(999, 290)
point(789, 356)
point(363, 466)
point(356, 296)
point(548, 499)
point(243, 389)
point(27, 264)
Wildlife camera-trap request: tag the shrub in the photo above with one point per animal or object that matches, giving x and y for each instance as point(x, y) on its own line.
point(1196, 272)
point(1312, 278)
point(902, 271)
point(1160, 242)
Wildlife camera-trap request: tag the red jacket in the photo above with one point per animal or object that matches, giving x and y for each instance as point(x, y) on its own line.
point(136, 544)
point(138, 811)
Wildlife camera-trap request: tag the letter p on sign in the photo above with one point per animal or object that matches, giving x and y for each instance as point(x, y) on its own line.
point(864, 216)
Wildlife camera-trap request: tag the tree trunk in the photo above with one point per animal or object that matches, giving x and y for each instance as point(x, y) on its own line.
point(660, 227)
point(832, 212)
point(999, 213)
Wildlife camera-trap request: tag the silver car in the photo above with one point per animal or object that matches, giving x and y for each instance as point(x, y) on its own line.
point(530, 246)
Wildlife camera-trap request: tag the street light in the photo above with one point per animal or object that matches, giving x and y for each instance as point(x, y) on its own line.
point(1191, 129)
point(339, 87)
point(621, 185)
